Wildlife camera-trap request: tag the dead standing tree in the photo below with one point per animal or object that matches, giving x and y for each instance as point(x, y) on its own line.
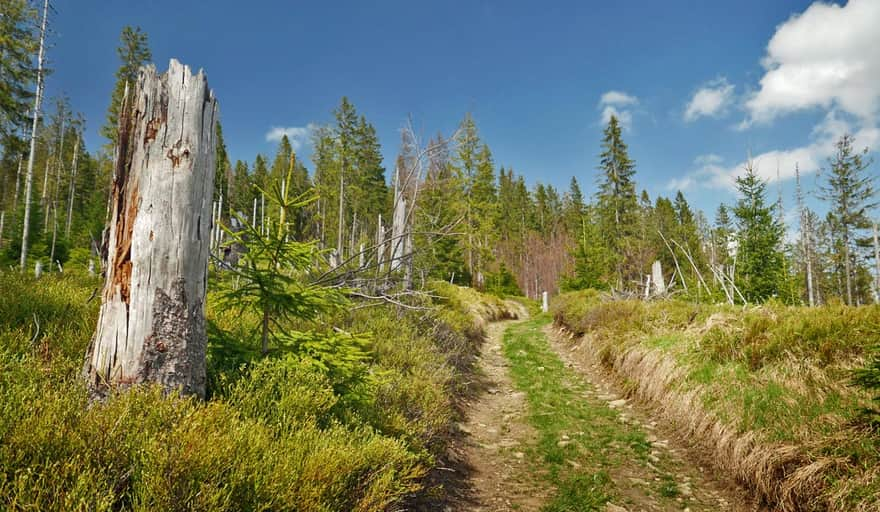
point(151, 327)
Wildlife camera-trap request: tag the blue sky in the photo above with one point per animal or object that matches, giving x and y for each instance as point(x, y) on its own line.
point(699, 84)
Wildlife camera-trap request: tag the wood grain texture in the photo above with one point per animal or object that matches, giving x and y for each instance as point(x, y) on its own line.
point(151, 327)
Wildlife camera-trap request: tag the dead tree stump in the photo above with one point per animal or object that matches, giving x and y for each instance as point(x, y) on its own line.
point(151, 328)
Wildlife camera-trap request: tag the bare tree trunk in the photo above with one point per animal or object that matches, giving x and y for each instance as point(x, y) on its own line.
point(17, 187)
point(805, 237)
point(54, 234)
point(339, 235)
point(398, 225)
point(876, 264)
point(2, 221)
point(29, 177)
point(151, 327)
point(657, 278)
point(380, 243)
point(847, 267)
point(72, 190)
point(44, 197)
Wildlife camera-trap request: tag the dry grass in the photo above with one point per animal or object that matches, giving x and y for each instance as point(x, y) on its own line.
point(764, 392)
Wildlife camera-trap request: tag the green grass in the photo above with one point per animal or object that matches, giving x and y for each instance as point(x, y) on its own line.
point(581, 441)
point(781, 372)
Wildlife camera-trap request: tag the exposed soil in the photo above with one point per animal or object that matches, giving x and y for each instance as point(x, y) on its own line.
point(488, 468)
point(699, 487)
point(498, 434)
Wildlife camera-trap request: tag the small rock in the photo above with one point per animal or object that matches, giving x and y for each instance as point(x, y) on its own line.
point(519, 455)
point(540, 368)
point(563, 444)
point(617, 403)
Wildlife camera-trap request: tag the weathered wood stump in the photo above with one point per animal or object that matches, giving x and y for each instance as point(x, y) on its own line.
point(151, 327)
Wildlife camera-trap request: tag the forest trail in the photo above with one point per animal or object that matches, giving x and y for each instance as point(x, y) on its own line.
point(550, 432)
point(498, 438)
point(680, 472)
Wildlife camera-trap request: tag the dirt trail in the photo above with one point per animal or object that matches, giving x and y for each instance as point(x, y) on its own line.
point(699, 487)
point(491, 470)
point(497, 436)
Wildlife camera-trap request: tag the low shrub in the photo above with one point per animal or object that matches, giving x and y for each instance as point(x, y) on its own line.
point(354, 425)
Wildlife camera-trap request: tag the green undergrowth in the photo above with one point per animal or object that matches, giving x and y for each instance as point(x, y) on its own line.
point(581, 442)
point(784, 373)
point(353, 425)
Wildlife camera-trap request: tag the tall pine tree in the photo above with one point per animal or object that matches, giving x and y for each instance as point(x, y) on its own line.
point(759, 260)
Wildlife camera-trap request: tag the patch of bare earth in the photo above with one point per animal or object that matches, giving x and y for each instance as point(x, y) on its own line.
point(697, 486)
point(497, 435)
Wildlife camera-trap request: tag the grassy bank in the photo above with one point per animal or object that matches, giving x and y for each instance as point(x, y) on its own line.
point(278, 433)
point(590, 456)
point(765, 390)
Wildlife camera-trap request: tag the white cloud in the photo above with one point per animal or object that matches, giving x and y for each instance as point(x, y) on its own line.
point(616, 103)
point(828, 57)
point(712, 173)
point(298, 135)
point(624, 117)
point(618, 98)
point(710, 100)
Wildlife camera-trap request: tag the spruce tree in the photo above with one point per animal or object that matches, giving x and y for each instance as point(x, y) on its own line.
point(222, 172)
point(616, 200)
point(133, 51)
point(850, 190)
point(18, 44)
point(240, 190)
point(759, 260)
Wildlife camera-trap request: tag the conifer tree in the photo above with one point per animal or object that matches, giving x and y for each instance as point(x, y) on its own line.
point(573, 206)
point(616, 200)
point(18, 44)
point(240, 191)
point(133, 51)
point(759, 261)
point(223, 171)
point(850, 190)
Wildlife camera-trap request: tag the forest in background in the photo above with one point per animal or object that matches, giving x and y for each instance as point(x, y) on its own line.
point(468, 219)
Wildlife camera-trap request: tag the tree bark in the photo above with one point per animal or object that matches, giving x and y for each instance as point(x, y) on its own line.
point(151, 328)
point(29, 177)
point(72, 189)
point(876, 265)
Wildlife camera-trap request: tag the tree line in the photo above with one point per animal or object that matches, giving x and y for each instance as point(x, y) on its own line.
point(444, 209)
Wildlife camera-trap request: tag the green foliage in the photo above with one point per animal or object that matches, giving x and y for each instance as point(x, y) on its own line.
point(593, 261)
point(780, 373)
point(760, 262)
point(278, 433)
point(133, 52)
point(18, 44)
point(502, 283)
point(850, 191)
point(616, 202)
point(272, 275)
point(868, 378)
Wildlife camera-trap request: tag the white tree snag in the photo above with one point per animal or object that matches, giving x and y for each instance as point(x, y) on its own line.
point(151, 328)
point(398, 226)
point(657, 278)
point(29, 177)
point(380, 244)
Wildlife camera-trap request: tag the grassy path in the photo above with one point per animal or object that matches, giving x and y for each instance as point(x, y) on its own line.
point(586, 444)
